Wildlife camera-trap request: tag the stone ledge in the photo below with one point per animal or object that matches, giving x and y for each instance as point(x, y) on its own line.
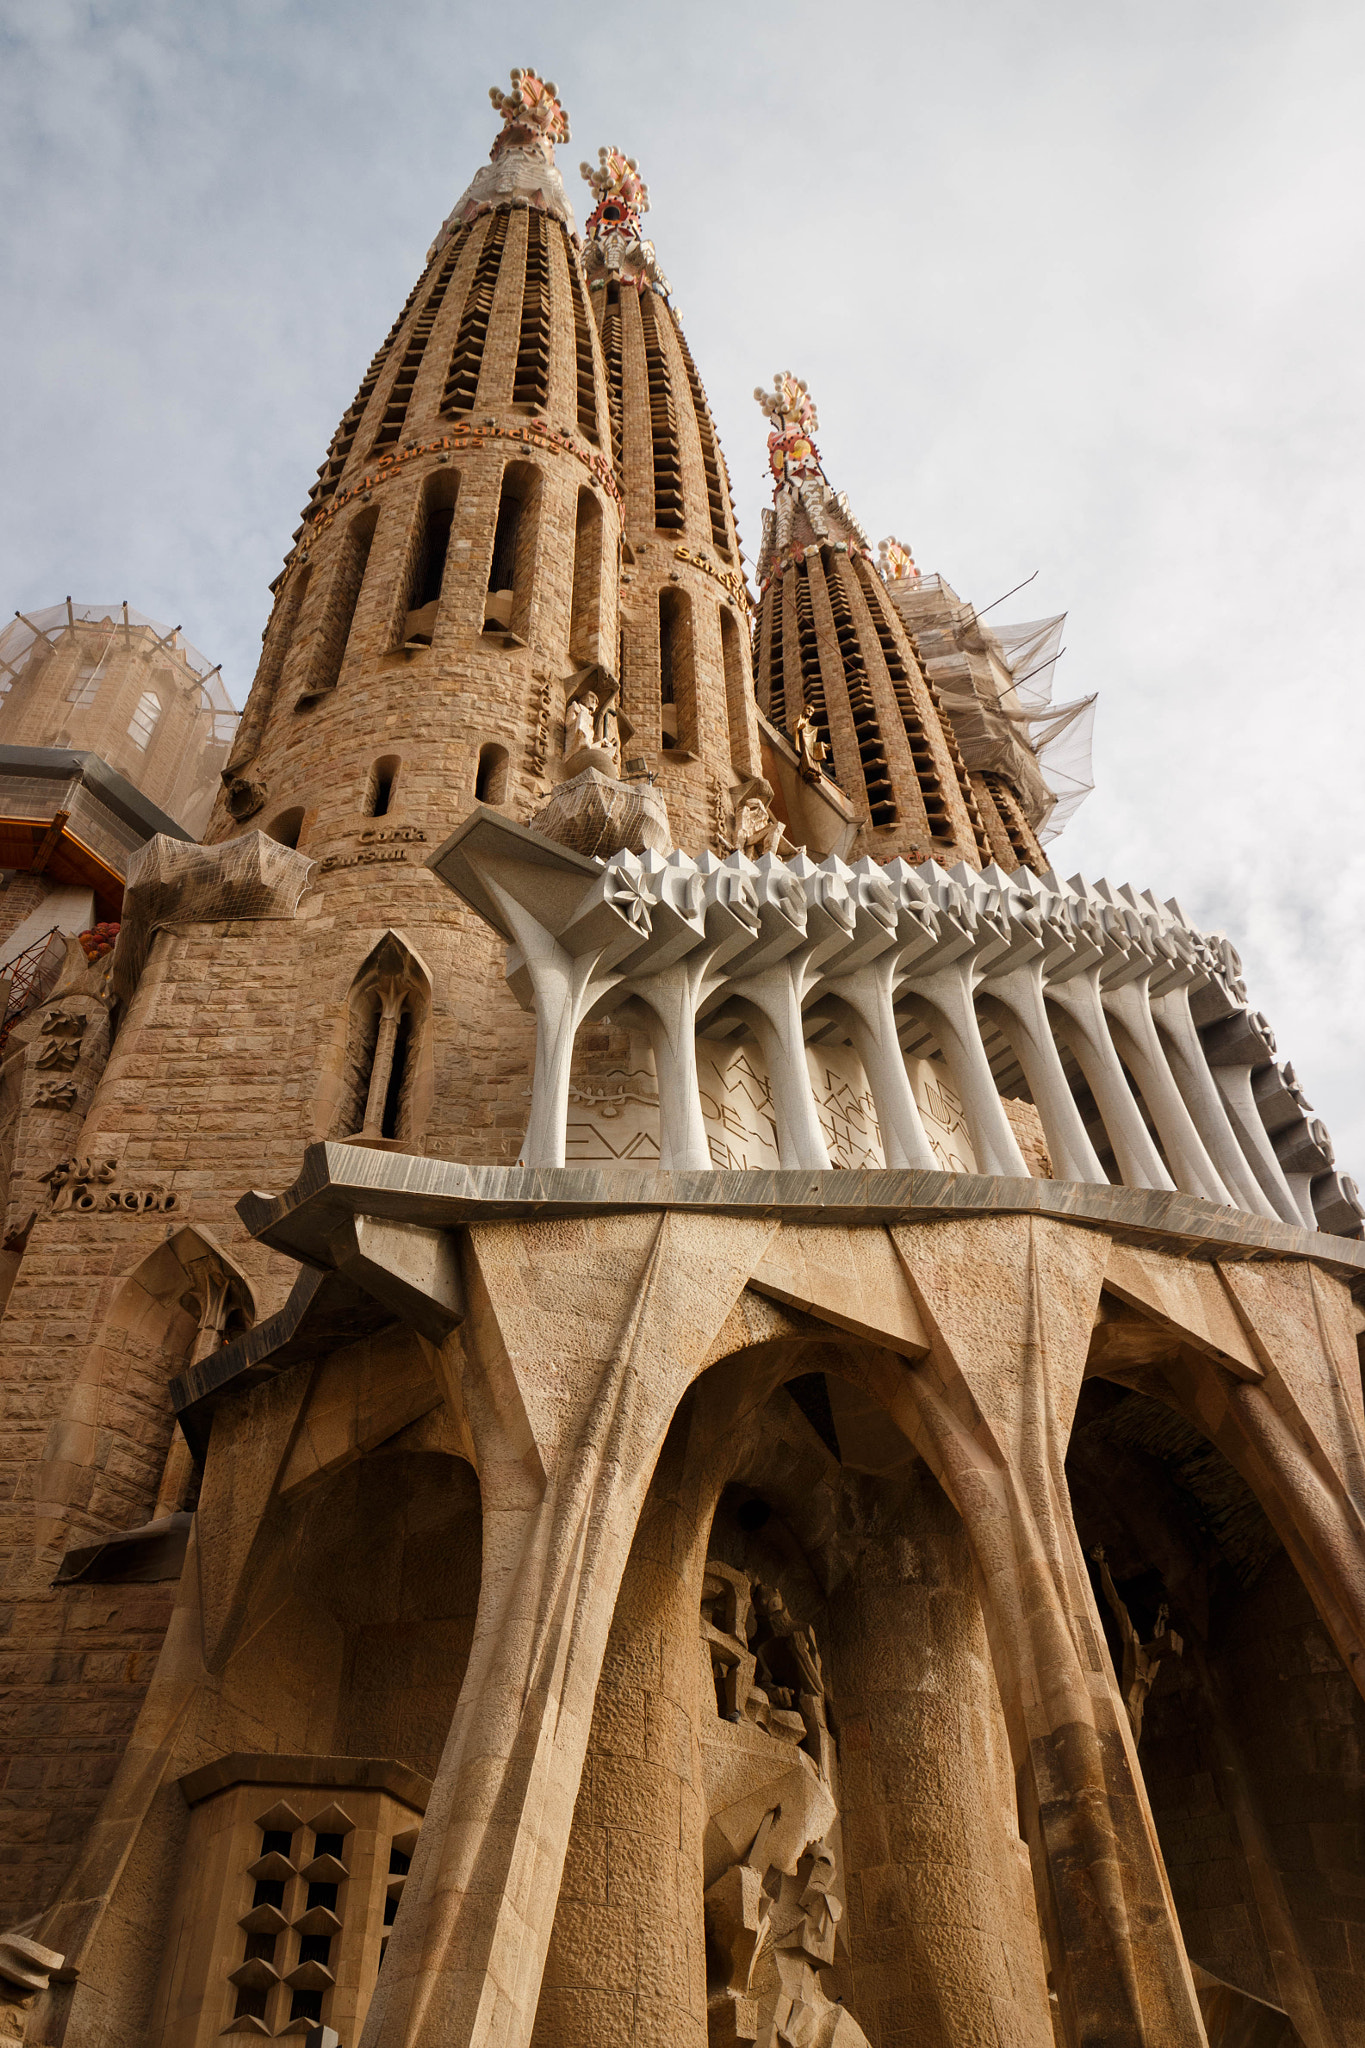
point(328, 1773)
point(339, 1181)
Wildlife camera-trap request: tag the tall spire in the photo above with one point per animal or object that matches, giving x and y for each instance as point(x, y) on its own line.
point(834, 657)
point(521, 167)
point(614, 244)
point(686, 678)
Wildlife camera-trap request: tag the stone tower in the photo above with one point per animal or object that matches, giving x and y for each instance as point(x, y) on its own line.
point(832, 650)
point(875, 1550)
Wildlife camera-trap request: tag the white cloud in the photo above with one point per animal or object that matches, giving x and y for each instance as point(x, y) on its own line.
point(1077, 289)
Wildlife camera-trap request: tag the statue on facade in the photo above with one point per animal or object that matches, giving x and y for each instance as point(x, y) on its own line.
point(1141, 1661)
point(809, 746)
point(773, 1913)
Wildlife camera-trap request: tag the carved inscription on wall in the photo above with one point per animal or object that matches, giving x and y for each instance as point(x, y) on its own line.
point(86, 1184)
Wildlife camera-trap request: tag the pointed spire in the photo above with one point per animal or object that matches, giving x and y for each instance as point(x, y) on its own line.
point(806, 512)
point(521, 170)
point(614, 244)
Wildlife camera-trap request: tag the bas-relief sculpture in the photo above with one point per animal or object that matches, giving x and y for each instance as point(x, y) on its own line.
point(622, 1539)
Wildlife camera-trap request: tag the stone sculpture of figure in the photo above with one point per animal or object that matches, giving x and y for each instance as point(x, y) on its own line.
point(1141, 1661)
point(580, 723)
point(755, 827)
point(609, 735)
point(809, 745)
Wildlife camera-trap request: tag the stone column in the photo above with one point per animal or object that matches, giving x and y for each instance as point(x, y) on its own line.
point(1010, 1308)
point(625, 1309)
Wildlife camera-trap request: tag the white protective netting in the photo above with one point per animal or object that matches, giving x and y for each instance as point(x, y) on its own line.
point(18, 637)
point(1059, 734)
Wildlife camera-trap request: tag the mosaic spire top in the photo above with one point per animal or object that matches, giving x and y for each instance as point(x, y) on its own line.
point(793, 456)
point(531, 112)
point(614, 244)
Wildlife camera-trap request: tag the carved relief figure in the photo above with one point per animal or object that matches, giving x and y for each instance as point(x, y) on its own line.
point(773, 1912)
point(580, 724)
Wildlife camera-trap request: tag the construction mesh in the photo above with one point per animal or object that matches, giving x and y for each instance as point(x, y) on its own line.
point(173, 881)
point(19, 635)
point(594, 815)
point(1059, 735)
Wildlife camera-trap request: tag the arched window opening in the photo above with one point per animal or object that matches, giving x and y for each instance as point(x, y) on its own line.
point(663, 422)
point(490, 784)
point(428, 547)
point(143, 722)
point(507, 606)
point(676, 670)
point(383, 1089)
point(286, 827)
point(379, 796)
point(586, 615)
point(325, 647)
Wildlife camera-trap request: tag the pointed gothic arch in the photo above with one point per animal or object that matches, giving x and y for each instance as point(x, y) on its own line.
point(380, 1087)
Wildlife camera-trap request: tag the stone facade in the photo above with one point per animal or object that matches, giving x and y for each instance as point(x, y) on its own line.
point(787, 1466)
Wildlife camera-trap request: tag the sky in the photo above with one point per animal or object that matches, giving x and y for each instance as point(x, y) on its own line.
point(1078, 289)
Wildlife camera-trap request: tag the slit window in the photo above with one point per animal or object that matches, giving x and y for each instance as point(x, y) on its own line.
point(143, 722)
point(490, 784)
point(382, 778)
point(675, 670)
point(585, 618)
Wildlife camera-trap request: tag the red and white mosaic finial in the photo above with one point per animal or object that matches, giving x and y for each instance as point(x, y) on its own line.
point(896, 562)
point(531, 112)
point(792, 454)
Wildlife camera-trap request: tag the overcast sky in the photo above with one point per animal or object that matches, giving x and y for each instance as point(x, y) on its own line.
point(1077, 287)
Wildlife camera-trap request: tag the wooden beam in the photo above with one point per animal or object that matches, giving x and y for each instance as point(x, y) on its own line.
point(43, 851)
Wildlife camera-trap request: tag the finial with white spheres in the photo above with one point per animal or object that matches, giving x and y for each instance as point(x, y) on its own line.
point(531, 112)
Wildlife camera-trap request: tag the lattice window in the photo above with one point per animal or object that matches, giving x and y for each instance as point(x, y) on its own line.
point(582, 335)
point(921, 747)
point(712, 462)
point(466, 359)
point(531, 383)
point(1017, 829)
point(143, 722)
point(663, 423)
point(611, 352)
point(881, 799)
point(405, 379)
point(329, 475)
point(812, 677)
point(773, 681)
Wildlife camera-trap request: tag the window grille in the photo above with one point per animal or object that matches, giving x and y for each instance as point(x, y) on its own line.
point(142, 724)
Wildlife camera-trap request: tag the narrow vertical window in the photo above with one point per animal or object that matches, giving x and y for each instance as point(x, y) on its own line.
point(808, 649)
point(143, 722)
point(586, 615)
point(389, 1002)
point(379, 796)
point(772, 676)
point(737, 677)
point(507, 606)
point(490, 783)
point(676, 680)
point(326, 646)
point(428, 547)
